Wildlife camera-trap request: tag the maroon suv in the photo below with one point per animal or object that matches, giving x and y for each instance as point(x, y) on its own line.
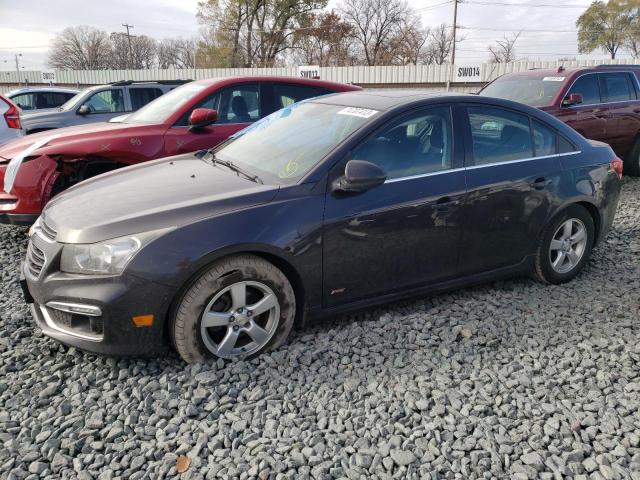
point(602, 103)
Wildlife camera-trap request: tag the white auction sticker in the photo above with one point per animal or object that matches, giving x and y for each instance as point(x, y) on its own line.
point(358, 112)
point(553, 79)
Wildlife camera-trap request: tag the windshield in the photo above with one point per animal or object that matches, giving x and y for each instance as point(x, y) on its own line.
point(537, 92)
point(71, 103)
point(163, 107)
point(287, 144)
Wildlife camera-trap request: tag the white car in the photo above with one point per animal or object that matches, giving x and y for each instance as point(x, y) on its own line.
point(10, 127)
point(36, 99)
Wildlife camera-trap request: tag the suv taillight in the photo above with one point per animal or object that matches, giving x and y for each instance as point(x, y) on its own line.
point(616, 165)
point(12, 115)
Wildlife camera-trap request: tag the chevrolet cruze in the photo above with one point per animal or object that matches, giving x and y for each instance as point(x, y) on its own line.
point(328, 205)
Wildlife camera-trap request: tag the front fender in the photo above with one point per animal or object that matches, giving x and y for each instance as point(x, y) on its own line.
point(32, 185)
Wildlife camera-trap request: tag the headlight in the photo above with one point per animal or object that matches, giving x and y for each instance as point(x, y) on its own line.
point(109, 257)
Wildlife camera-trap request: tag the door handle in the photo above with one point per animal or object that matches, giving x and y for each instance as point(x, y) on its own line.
point(540, 183)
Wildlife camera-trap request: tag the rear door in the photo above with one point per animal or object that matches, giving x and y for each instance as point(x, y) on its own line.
point(512, 172)
point(620, 96)
point(405, 232)
point(590, 118)
point(238, 106)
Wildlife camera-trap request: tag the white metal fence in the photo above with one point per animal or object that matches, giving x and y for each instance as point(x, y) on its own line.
point(387, 76)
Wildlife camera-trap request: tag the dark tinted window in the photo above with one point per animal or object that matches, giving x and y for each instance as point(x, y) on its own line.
point(239, 104)
point(285, 95)
point(544, 139)
point(51, 99)
point(212, 102)
point(587, 86)
point(499, 135)
point(417, 144)
point(141, 96)
point(565, 146)
point(615, 87)
point(25, 101)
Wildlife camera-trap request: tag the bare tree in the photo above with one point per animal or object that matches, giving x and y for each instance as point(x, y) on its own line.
point(80, 48)
point(176, 53)
point(374, 24)
point(408, 44)
point(324, 40)
point(440, 43)
point(504, 50)
point(143, 51)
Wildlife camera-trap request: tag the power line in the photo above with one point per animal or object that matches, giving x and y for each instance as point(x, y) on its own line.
point(517, 4)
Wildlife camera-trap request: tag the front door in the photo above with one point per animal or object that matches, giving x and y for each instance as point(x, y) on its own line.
point(511, 175)
point(102, 106)
point(405, 232)
point(238, 106)
point(590, 118)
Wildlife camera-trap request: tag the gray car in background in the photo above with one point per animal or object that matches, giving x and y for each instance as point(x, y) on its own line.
point(98, 104)
point(31, 99)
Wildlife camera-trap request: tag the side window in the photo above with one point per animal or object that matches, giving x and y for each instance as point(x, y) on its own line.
point(587, 86)
point(286, 95)
point(565, 146)
point(239, 104)
point(416, 144)
point(544, 140)
point(141, 96)
point(211, 102)
point(499, 135)
point(68, 96)
point(106, 101)
point(615, 87)
point(25, 101)
point(50, 99)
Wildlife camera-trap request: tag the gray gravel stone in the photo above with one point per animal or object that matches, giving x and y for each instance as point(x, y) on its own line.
point(511, 379)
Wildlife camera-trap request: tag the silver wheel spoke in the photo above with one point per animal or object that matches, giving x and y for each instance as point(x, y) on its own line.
point(215, 319)
point(239, 295)
point(566, 230)
point(257, 333)
point(267, 303)
point(578, 236)
point(227, 343)
point(559, 260)
point(574, 258)
point(556, 245)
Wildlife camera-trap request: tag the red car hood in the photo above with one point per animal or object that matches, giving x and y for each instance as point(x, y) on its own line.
point(67, 135)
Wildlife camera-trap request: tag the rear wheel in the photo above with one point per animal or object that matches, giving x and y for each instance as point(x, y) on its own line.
point(238, 308)
point(565, 246)
point(632, 161)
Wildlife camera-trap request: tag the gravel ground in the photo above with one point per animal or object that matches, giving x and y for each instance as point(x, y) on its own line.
point(508, 380)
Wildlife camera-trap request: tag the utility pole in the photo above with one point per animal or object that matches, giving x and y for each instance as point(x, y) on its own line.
point(453, 46)
point(127, 26)
point(18, 68)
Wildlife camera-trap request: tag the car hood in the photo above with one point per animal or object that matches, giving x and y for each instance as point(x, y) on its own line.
point(154, 195)
point(64, 136)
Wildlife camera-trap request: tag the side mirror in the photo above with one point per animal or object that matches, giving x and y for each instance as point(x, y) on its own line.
point(359, 176)
point(202, 117)
point(84, 110)
point(572, 99)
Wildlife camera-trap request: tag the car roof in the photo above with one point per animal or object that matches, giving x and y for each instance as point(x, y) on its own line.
point(387, 99)
point(220, 81)
point(18, 91)
point(570, 71)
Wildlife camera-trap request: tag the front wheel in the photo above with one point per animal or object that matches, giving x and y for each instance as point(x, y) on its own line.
point(241, 306)
point(565, 246)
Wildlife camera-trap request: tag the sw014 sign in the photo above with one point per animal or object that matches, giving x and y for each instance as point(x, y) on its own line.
point(467, 73)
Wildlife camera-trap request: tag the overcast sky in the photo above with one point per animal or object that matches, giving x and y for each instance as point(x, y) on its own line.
point(548, 26)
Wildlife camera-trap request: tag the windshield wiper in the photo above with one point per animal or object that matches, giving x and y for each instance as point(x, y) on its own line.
point(230, 165)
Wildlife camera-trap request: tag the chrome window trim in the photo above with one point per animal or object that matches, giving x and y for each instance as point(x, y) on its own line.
point(602, 103)
point(474, 167)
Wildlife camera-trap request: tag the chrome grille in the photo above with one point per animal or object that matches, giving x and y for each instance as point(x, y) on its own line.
point(48, 232)
point(35, 259)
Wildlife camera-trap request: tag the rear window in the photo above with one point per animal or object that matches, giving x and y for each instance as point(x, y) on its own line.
point(616, 87)
point(534, 91)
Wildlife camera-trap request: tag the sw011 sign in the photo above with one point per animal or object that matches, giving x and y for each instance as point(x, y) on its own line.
point(48, 76)
point(467, 73)
point(309, 71)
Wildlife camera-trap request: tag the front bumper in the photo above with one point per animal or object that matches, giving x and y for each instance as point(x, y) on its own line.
point(116, 298)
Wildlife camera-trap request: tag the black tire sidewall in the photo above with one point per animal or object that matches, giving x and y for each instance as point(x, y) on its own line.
point(186, 322)
point(544, 262)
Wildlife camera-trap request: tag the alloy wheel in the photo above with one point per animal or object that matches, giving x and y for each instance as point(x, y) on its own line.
point(240, 319)
point(568, 245)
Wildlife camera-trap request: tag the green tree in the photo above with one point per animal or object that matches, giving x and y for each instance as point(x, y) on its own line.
point(605, 26)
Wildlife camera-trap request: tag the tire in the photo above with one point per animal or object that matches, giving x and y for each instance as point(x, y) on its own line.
point(217, 317)
point(632, 161)
point(561, 261)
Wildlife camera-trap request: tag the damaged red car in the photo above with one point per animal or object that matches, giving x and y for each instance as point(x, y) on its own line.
point(195, 116)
